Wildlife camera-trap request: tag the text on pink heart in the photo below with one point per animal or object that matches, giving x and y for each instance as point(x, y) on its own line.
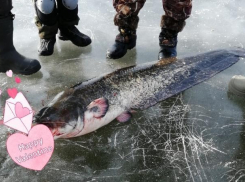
point(30, 146)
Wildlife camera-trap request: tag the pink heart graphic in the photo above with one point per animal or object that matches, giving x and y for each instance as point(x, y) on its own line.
point(17, 80)
point(9, 73)
point(21, 111)
point(32, 151)
point(12, 92)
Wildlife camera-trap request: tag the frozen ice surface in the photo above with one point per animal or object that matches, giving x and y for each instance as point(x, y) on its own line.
point(198, 135)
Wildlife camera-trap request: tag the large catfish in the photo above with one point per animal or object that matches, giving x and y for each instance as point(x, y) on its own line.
point(92, 104)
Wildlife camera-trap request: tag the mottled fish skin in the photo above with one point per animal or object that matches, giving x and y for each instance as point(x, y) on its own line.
point(136, 87)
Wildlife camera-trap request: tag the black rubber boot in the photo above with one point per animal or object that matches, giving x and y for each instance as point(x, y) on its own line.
point(68, 19)
point(168, 43)
point(46, 47)
point(10, 59)
point(47, 25)
point(74, 35)
point(124, 41)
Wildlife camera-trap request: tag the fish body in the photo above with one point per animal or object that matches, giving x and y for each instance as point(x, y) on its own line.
point(92, 104)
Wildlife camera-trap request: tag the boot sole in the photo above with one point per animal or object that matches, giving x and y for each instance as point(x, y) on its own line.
point(44, 53)
point(112, 57)
point(66, 39)
point(34, 70)
point(116, 57)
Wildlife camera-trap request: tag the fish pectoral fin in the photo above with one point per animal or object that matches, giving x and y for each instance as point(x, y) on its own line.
point(124, 117)
point(98, 107)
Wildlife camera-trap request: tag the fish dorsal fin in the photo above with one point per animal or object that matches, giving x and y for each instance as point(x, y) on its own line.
point(98, 107)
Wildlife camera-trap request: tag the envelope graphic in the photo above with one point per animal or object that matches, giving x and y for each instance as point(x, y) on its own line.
point(18, 114)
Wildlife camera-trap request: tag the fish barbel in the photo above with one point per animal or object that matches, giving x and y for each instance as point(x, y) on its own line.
point(94, 103)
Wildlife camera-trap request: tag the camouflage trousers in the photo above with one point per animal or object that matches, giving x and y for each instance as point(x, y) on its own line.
point(176, 12)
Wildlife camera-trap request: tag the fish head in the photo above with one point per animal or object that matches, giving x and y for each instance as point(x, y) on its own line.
point(64, 119)
point(67, 116)
point(62, 122)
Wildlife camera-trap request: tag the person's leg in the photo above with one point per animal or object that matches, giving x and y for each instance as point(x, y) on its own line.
point(127, 21)
point(47, 24)
point(68, 18)
point(173, 22)
point(10, 59)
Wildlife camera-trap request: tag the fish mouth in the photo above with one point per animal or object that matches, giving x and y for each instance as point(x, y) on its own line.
point(60, 130)
point(61, 127)
point(67, 131)
point(57, 134)
point(54, 129)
